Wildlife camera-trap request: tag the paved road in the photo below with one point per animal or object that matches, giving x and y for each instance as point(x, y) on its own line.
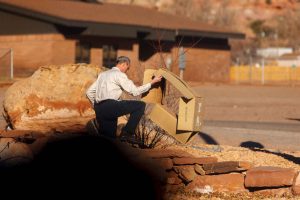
point(278, 136)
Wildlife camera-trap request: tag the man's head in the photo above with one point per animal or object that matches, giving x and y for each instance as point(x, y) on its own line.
point(123, 63)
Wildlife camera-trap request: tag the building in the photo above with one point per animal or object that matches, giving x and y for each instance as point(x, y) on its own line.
point(57, 32)
point(273, 52)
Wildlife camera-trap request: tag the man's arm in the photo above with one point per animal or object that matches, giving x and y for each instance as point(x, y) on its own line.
point(91, 92)
point(129, 86)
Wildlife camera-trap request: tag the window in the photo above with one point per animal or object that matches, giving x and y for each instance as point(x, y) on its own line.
point(83, 52)
point(109, 55)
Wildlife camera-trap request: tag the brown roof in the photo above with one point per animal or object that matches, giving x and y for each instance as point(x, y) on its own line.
point(109, 13)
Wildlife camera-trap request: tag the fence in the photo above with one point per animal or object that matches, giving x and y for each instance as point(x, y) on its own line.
point(265, 74)
point(6, 64)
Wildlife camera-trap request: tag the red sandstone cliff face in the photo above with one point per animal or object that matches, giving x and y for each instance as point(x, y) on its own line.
point(238, 15)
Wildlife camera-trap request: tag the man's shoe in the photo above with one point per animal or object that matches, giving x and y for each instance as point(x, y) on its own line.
point(92, 127)
point(130, 138)
point(125, 135)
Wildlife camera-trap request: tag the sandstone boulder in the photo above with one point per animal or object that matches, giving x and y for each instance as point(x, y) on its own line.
point(268, 176)
point(194, 160)
point(217, 183)
point(185, 172)
point(51, 100)
point(296, 185)
point(222, 167)
point(199, 169)
point(172, 178)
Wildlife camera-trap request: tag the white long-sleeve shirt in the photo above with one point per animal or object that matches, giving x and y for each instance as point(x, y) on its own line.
point(109, 85)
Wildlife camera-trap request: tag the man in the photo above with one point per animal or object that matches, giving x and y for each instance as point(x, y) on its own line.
point(105, 92)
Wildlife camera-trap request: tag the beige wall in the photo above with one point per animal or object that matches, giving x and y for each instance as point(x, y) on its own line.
point(157, 60)
point(33, 51)
point(96, 56)
point(205, 65)
point(201, 64)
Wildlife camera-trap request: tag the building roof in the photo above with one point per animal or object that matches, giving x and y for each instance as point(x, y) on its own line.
point(80, 14)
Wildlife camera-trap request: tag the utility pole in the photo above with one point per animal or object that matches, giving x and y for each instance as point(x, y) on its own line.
point(263, 71)
point(181, 62)
point(11, 64)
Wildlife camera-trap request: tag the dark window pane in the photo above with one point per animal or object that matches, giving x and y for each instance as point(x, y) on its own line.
point(109, 55)
point(83, 51)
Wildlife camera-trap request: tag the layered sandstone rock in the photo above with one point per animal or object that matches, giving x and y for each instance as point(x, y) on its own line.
point(268, 176)
point(218, 183)
point(193, 160)
point(52, 100)
point(296, 185)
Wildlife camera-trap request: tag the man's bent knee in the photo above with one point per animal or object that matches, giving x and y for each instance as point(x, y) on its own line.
point(142, 104)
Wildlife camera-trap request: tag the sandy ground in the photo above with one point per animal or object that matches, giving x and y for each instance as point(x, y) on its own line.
point(251, 103)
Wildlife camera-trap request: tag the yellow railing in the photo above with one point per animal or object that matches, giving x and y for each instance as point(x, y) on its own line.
point(271, 74)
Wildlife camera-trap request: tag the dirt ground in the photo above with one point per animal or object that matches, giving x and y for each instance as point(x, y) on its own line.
point(251, 103)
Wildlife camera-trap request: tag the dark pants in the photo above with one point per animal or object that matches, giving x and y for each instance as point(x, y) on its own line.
point(108, 111)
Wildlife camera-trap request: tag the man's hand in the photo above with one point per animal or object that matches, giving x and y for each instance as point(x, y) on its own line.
point(156, 79)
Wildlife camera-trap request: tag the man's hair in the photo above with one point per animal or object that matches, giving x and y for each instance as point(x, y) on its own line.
point(122, 59)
